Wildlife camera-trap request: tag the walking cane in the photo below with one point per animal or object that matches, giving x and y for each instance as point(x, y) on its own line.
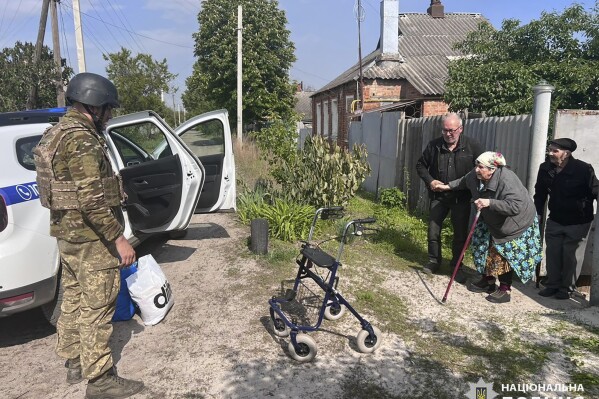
point(459, 262)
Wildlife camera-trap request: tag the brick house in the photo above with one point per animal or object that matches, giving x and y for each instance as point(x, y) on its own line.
point(407, 71)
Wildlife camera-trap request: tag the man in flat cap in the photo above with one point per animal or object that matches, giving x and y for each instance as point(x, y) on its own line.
point(571, 186)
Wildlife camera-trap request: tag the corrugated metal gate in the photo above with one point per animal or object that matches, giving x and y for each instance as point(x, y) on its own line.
point(395, 145)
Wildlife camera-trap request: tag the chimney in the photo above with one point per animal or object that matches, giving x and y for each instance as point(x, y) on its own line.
point(390, 27)
point(436, 10)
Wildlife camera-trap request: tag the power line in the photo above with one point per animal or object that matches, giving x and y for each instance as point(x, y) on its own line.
point(123, 34)
point(135, 33)
point(128, 25)
point(103, 22)
point(13, 16)
point(89, 32)
point(371, 6)
point(311, 74)
point(192, 7)
point(18, 29)
point(3, 14)
point(64, 35)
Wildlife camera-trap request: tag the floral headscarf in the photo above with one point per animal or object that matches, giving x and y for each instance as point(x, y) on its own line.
point(491, 159)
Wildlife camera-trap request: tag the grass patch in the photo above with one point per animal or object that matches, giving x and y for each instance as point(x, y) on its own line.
point(389, 309)
point(444, 350)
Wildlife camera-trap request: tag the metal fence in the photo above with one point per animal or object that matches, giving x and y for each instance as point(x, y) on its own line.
point(394, 146)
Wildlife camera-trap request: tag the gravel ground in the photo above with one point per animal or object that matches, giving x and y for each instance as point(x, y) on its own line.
point(217, 341)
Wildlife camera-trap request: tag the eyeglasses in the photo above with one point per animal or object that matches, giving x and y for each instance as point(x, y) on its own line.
point(449, 131)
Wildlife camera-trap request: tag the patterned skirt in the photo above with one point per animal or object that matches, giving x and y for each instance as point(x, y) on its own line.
point(521, 254)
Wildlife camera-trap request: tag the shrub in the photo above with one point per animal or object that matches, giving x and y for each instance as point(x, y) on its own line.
point(287, 220)
point(392, 198)
point(324, 174)
point(277, 144)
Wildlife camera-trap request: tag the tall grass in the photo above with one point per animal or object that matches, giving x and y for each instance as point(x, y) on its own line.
point(249, 166)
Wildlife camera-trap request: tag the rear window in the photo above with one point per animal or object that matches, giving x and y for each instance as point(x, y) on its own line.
point(24, 149)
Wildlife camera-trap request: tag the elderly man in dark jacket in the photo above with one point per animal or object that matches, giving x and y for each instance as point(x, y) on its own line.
point(445, 159)
point(571, 186)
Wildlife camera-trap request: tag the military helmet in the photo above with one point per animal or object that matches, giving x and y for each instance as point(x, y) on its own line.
point(91, 89)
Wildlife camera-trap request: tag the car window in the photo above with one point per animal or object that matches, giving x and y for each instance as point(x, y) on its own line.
point(136, 142)
point(207, 138)
point(24, 149)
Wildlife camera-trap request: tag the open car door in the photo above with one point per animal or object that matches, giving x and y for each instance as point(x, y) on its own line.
point(162, 192)
point(208, 136)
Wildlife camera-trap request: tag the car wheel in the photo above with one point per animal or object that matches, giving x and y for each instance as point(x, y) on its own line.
point(51, 310)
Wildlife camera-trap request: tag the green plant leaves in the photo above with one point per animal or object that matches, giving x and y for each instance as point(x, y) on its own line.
point(502, 66)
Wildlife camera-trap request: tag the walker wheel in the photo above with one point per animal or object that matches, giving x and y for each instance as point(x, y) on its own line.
point(367, 343)
point(334, 311)
point(306, 348)
point(279, 327)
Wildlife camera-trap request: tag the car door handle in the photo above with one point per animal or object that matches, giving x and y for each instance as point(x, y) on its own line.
point(140, 182)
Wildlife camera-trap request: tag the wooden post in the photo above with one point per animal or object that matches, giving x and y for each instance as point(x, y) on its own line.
point(32, 100)
point(60, 100)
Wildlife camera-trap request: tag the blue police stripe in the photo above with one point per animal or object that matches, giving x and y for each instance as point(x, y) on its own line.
point(19, 193)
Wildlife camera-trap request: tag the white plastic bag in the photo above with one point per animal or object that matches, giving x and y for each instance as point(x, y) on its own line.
point(150, 289)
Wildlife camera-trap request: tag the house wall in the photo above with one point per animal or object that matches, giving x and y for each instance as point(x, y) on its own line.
point(339, 94)
point(434, 108)
point(377, 92)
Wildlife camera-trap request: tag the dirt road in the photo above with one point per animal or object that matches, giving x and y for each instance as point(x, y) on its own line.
point(216, 342)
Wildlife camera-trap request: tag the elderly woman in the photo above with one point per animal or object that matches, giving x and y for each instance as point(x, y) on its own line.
point(506, 238)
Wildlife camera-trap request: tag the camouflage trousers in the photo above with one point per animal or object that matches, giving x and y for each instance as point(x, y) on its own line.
point(91, 280)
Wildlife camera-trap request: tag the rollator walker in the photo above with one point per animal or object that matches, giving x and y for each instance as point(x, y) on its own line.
point(311, 260)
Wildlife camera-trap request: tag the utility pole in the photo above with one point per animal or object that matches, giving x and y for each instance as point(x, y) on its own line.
point(60, 101)
point(360, 18)
point(174, 110)
point(32, 100)
point(79, 36)
point(239, 76)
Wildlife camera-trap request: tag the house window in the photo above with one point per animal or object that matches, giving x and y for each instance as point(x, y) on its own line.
point(334, 119)
point(318, 116)
point(348, 101)
point(325, 119)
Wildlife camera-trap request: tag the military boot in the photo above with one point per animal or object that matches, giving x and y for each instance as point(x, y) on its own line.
point(73, 371)
point(109, 385)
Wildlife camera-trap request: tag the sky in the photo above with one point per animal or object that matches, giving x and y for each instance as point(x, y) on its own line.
point(325, 32)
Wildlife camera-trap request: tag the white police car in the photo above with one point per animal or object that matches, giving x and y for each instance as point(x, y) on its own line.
point(164, 172)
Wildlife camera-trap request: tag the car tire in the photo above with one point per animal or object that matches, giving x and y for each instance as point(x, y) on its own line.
point(259, 236)
point(51, 310)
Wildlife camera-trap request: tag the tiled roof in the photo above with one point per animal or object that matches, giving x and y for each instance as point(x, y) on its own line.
point(425, 43)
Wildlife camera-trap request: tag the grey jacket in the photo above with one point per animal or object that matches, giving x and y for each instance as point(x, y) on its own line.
point(511, 210)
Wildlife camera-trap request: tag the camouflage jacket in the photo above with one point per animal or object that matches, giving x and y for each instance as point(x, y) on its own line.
point(81, 158)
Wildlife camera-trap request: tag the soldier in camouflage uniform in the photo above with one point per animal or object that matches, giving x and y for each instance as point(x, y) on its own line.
point(77, 183)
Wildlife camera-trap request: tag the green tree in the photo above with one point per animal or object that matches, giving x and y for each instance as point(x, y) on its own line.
point(17, 74)
point(502, 66)
point(268, 55)
point(140, 81)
